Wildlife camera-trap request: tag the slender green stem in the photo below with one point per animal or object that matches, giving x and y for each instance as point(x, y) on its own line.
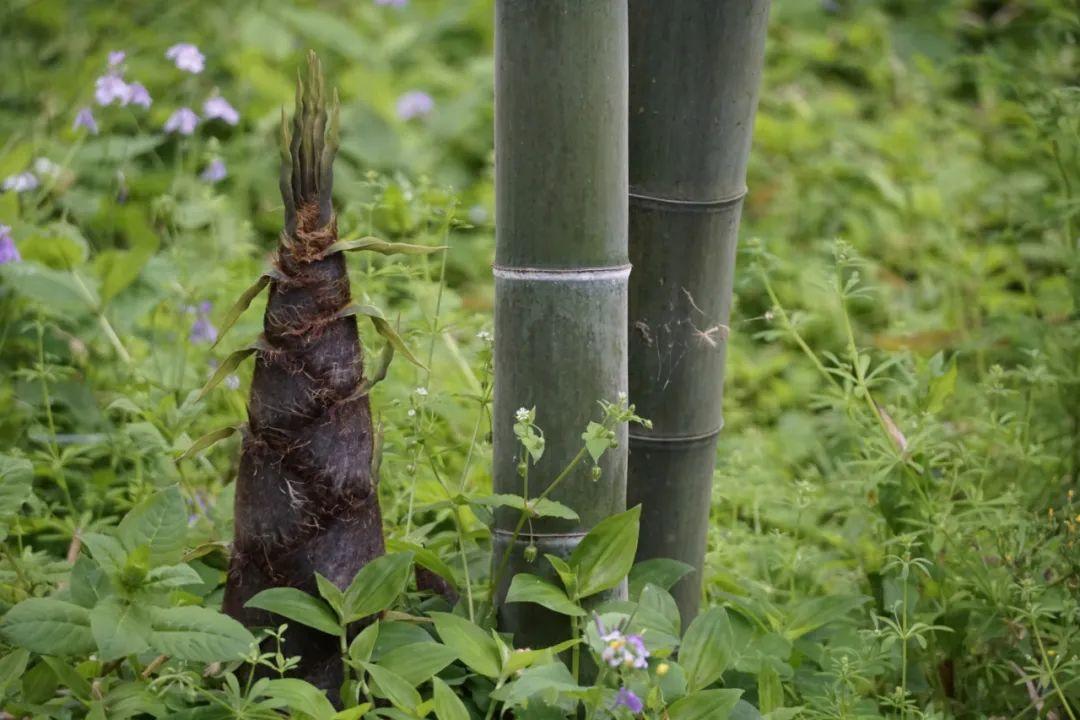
point(459, 523)
point(497, 579)
point(1050, 670)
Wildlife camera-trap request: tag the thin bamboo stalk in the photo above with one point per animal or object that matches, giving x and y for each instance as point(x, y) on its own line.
point(695, 69)
point(560, 268)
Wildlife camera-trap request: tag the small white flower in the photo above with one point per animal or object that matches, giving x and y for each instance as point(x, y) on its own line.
point(412, 413)
point(621, 397)
point(421, 391)
point(45, 167)
point(522, 415)
point(484, 336)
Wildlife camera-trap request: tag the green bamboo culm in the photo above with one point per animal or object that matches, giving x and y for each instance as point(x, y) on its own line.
point(560, 270)
point(695, 72)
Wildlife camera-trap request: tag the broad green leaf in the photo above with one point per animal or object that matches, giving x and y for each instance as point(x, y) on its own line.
point(49, 627)
point(198, 634)
point(521, 659)
point(448, 705)
point(707, 648)
point(547, 681)
point(425, 558)
point(211, 438)
point(662, 572)
point(16, 484)
point(662, 605)
point(393, 687)
point(300, 696)
point(331, 593)
point(596, 440)
point(395, 634)
point(384, 328)
point(298, 606)
point(472, 644)
point(604, 556)
point(373, 244)
point(362, 646)
point(12, 666)
point(812, 613)
point(89, 582)
point(106, 550)
point(543, 507)
point(353, 713)
point(566, 574)
point(52, 291)
point(417, 663)
point(242, 304)
point(160, 523)
point(173, 576)
point(69, 677)
point(529, 588)
point(120, 628)
point(377, 585)
point(704, 705)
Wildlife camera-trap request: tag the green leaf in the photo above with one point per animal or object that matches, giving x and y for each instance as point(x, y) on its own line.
point(12, 667)
point(472, 644)
point(425, 558)
point(529, 588)
point(384, 328)
point(16, 484)
point(604, 556)
point(374, 244)
point(242, 304)
point(331, 593)
point(69, 676)
point(49, 627)
point(448, 705)
point(662, 572)
point(543, 507)
point(393, 687)
point(120, 628)
point(705, 705)
point(663, 606)
point(300, 696)
point(417, 663)
point(226, 368)
point(707, 648)
point(565, 572)
point(89, 582)
point(159, 522)
point(377, 585)
point(549, 681)
point(521, 659)
point(298, 606)
point(597, 441)
point(106, 550)
point(363, 644)
point(173, 576)
point(210, 438)
point(942, 388)
point(52, 291)
point(198, 634)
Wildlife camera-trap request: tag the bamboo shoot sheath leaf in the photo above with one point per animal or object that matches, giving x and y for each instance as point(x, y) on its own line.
point(384, 328)
point(210, 438)
point(374, 244)
point(242, 304)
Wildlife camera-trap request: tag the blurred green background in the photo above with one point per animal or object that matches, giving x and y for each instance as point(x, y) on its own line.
point(922, 155)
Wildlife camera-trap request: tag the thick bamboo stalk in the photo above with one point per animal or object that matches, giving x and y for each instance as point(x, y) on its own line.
point(560, 267)
point(695, 69)
point(306, 496)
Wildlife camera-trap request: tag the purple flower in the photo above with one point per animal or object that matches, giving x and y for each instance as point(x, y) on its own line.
point(138, 95)
point(111, 88)
point(202, 330)
point(625, 650)
point(414, 104)
point(186, 57)
point(182, 121)
point(219, 107)
point(627, 699)
point(23, 182)
point(8, 252)
point(392, 3)
point(116, 57)
point(215, 171)
point(85, 119)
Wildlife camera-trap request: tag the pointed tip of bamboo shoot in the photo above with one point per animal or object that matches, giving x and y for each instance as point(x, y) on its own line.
point(308, 150)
